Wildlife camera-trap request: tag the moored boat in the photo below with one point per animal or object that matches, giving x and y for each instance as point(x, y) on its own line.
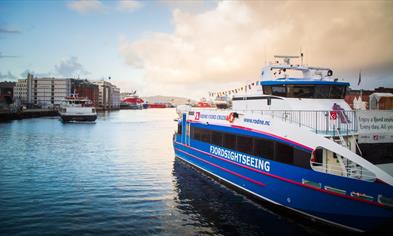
point(222, 102)
point(77, 109)
point(297, 145)
point(131, 101)
point(157, 105)
point(203, 103)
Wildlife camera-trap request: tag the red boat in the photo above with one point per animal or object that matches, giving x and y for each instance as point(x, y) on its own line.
point(203, 104)
point(132, 101)
point(157, 105)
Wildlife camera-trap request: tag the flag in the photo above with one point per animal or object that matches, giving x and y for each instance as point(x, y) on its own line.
point(360, 77)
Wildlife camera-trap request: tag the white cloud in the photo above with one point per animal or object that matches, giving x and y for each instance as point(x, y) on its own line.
point(86, 6)
point(8, 76)
point(128, 5)
point(229, 43)
point(70, 68)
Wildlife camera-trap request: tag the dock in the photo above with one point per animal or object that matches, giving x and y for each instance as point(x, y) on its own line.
point(31, 113)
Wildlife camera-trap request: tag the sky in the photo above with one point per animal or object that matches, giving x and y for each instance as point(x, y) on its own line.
point(188, 48)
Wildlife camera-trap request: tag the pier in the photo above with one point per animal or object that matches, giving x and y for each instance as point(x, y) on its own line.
point(33, 113)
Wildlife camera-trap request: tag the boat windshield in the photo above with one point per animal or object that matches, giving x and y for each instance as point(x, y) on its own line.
point(306, 91)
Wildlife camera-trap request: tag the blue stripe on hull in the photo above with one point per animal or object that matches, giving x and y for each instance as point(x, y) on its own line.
point(334, 209)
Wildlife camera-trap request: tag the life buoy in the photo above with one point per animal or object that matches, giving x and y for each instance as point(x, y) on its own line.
point(231, 117)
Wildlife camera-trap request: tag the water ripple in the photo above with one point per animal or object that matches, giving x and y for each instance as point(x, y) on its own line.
point(116, 177)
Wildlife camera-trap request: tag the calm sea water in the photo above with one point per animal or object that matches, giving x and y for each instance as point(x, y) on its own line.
point(119, 176)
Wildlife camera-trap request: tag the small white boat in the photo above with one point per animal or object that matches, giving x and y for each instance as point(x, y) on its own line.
point(75, 108)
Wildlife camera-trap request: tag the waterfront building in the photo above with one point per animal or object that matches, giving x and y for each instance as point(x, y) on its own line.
point(115, 97)
point(43, 92)
point(49, 92)
point(7, 90)
point(6, 93)
point(20, 91)
point(108, 95)
point(85, 88)
point(381, 101)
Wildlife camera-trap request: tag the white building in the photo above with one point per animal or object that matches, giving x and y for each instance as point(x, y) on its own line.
point(43, 92)
point(20, 91)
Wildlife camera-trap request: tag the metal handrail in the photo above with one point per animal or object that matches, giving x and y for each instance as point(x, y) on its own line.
point(320, 121)
point(336, 170)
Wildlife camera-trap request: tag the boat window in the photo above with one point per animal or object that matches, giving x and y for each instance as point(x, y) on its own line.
point(195, 133)
point(337, 92)
point(259, 147)
point(322, 91)
point(318, 154)
point(217, 138)
point(284, 153)
point(263, 148)
point(205, 135)
point(229, 141)
point(179, 128)
point(301, 158)
point(279, 91)
point(301, 91)
point(267, 90)
point(244, 144)
point(307, 91)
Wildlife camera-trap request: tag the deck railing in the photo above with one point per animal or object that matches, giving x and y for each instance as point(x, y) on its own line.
point(351, 170)
point(332, 123)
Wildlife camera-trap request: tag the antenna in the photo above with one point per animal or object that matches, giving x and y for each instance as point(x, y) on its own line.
point(301, 56)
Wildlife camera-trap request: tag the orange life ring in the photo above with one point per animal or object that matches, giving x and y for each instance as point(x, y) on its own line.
point(231, 117)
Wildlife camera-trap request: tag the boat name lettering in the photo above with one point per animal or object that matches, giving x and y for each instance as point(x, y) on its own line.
point(213, 117)
point(257, 121)
point(241, 158)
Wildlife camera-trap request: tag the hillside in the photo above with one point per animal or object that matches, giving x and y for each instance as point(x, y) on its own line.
point(166, 99)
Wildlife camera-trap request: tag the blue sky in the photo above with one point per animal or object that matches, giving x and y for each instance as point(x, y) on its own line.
point(42, 34)
point(187, 48)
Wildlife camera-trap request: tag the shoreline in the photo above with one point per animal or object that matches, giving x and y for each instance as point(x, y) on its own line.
point(6, 116)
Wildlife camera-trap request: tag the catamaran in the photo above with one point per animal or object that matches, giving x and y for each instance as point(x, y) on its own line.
point(296, 144)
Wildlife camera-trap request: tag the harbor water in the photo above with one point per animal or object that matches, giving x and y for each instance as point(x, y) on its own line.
point(119, 176)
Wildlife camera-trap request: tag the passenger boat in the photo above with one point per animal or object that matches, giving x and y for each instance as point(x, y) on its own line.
point(295, 145)
point(223, 102)
point(131, 101)
point(75, 108)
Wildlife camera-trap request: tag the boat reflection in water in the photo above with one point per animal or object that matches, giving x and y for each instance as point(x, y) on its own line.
point(220, 210)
